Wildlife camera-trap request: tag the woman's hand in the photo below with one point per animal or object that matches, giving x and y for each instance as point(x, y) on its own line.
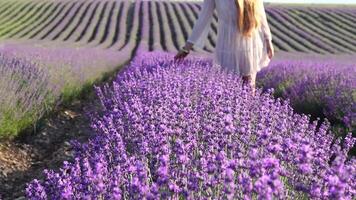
point(270, 49)
point(183, 52)
point(180, 55)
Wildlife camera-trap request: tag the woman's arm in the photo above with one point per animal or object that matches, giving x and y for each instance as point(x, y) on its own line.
point(200, 30)
point(266, 31)
point(264, 24)
point(202, 25)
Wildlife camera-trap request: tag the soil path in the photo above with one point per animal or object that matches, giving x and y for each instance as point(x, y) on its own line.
point(24, 159)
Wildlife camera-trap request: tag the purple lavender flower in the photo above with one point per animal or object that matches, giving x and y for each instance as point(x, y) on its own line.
point(35, 191)
point(321, 88)
point(189, 130)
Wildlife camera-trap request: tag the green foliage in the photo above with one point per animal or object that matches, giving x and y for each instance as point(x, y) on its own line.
point(10, 125)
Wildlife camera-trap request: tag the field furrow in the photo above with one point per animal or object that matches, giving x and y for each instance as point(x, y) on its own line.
point(84, 26)
point(29, 22)
point(66, 24)
point(156, 35)
point(39, 21)
point(329, 31)
point(330, 19)
point(93, 24)
point(13, 11)
point(303, 37)
point(166, 32)
point(21, 14)
point(281, 43)
point(169, 28)
point(143, 33)
point(121, 26)
point(119, 22)
point(22, 19)
point(71, 31)
point(130, 25)
point(110, 22)
point(5, 5)
point(100, 24)
point(322, 35)
point(347, 18)
point(305, 32)
point(286, 29)
point(182, 21)
point(177, 35)
point(151, 37)
point(137, 29)
point(49, 21)
point(16, 28)
point(57, 22)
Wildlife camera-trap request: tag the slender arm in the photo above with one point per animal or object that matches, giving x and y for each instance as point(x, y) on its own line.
point(202, 25)
point(264, 24)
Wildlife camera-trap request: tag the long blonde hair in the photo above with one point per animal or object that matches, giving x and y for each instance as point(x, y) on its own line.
point(248, 16)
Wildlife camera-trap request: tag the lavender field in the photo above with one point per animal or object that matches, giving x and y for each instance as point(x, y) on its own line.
point(166, 130)
point(178, 132)
point(87, 29)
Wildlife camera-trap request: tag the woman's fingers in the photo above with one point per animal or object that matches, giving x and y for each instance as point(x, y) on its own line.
point(180, 55)
point(270, 50)
point(176, 57)
point(247, 78)
point(269, 53)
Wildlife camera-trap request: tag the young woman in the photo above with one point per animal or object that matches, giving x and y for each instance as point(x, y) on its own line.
point(244, 40)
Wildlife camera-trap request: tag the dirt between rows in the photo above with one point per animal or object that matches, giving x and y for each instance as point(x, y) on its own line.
point(24, 159)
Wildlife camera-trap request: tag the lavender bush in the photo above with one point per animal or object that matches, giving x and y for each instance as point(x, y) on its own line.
point(320, 88)
point(24, 90)
point(34, 79)
point(191, 131)
point(68, 66)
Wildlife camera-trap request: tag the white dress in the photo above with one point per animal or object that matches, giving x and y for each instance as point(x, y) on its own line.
point(242, 55)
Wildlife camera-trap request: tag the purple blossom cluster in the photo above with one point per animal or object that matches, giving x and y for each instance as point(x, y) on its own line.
point(321, 88)
point(190, 130)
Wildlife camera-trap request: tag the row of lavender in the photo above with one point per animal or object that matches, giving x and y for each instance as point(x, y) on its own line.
point(34, 80)
point(89, 23)
point(323, 86)
point(320, 30)
point(189, 130)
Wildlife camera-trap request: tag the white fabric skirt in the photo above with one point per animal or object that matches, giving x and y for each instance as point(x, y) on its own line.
point(241, 55)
